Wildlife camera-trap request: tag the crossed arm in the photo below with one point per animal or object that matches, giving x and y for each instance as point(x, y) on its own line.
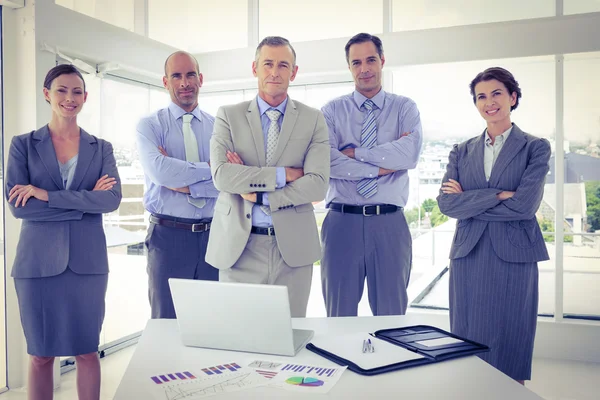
point(495, 204)
point(172, 173)
point(384, 159)
point(37, 204)
point(303, 185)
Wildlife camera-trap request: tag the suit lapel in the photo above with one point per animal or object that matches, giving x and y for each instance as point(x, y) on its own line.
point(253, 116)
point(476, 149)
point(87, 149)
point(45, 150)
point(289, 121)
point(511, 148)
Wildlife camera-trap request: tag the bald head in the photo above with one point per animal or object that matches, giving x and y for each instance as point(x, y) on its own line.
point(183, 79)
point(179, 55)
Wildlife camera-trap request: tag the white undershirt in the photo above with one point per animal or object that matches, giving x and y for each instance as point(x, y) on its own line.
point(491, 151)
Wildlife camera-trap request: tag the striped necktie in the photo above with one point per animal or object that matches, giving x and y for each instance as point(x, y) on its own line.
point(272, 140)
point(368, 138)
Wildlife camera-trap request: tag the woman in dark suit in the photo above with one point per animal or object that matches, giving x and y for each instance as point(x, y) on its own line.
point(493, 186)
point(59, 181)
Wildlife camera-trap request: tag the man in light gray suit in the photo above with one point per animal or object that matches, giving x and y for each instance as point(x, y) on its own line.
point(270, 162)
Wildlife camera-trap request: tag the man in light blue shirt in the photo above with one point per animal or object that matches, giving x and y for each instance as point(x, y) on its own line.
point(173, 144)
point(375, 137)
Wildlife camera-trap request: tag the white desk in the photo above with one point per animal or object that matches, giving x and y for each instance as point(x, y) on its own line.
point(465, 378)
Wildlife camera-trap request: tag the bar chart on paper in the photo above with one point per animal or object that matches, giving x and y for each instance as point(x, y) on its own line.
point(172, 377)
point(298, 377)
point(208, 381)
point(307, 369)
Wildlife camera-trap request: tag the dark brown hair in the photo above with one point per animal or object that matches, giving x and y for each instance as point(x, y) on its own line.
point(362, 38)
point(501, 75)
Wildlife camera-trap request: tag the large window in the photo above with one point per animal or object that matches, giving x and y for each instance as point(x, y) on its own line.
point(449, 116)
point(199, 26)
point(114, 12)
point(580, 6)
point(319, 19)
point(581, 219)
point(411, 15)
point(112, 112)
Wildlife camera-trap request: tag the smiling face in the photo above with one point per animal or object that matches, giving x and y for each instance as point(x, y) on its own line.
point(366, 65)
point(183, 80)
point(66, 95)
point(274, 69)
point(494, 102)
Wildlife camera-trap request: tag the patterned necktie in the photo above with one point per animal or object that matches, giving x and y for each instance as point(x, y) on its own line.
point(272, 139)
point(368, 138)
point(191, 152)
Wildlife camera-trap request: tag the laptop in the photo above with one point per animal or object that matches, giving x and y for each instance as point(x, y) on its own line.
point(236, 316)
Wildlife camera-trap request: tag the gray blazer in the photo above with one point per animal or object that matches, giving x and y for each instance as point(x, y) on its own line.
point(521, 167)
point(303, 143)
point(67, 230)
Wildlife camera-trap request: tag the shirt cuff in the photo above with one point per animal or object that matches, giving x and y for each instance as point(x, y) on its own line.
point(266, 199)
point(198, 189)
point(361, 154)
point(280, 178)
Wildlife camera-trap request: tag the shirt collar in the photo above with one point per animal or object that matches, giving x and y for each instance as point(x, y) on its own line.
point(378, 99)
point(503, 137)
point(178, 112)
point(263, 106)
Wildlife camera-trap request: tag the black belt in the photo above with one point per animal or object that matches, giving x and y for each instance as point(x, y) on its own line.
point(197, 227)
point(367, 211)
point(263, 231)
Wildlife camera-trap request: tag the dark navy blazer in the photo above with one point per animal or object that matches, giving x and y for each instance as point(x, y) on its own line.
point(521, 167)
point(67, 230)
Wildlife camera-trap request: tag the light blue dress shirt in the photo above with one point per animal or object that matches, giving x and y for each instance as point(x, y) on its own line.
point(67, 171)
point(164, 128)
point(394, 115)
point(259, 218)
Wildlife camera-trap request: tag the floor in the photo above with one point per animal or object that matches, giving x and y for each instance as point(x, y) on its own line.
point(552, 379)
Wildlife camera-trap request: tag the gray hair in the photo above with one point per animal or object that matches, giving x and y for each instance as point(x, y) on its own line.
point(274, 41)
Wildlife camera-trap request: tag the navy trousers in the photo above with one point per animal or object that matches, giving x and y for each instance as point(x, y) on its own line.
point(174, 253)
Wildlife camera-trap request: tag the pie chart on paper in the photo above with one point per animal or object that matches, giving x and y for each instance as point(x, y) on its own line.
point(301, 381)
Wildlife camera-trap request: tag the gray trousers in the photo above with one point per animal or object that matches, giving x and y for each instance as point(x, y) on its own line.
point(355, 247)
point(261, 262)
point(174, 253)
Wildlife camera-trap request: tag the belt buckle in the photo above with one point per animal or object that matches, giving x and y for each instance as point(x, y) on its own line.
point(377, 211)
point(200, 225)
point(271, 231)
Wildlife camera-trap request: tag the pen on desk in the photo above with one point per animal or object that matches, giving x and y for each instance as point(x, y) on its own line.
point(371, 347)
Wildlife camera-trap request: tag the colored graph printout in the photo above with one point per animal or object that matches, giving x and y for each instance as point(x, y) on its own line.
point(298, 377)
point(209, 381)
point(308, 381)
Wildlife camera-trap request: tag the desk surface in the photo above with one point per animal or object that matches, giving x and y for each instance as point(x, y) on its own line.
point(465, 378)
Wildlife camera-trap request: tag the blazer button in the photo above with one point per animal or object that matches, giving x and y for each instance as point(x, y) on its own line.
point(248, 216)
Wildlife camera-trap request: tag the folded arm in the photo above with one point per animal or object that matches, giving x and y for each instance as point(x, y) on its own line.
point(235, 178)
point(528, 195)
point(17, 173)
point(312, 186)
point(342, 166)
point(402, 153)
point(167, 171)
point(466, 204)
point(92, 201)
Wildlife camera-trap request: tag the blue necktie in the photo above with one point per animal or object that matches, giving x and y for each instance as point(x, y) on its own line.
point(368, 138)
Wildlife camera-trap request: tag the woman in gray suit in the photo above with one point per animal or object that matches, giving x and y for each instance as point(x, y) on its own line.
point(59, 181)
point(493, 186)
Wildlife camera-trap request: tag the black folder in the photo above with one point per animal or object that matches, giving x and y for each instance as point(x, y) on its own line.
point(442, 346)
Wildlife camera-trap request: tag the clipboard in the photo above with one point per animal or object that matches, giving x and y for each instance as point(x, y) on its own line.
point(395, 348)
